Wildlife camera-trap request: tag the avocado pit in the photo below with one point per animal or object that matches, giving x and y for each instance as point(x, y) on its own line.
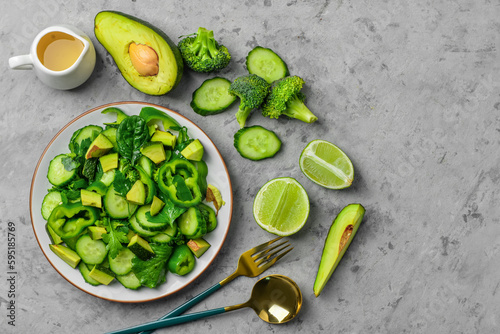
point(144, 59)
point(345, 237)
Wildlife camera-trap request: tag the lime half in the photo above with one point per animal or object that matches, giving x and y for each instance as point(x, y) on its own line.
point(326, 164)
point(281, 206)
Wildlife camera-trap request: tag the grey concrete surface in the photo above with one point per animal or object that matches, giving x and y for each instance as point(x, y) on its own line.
point(410, 90)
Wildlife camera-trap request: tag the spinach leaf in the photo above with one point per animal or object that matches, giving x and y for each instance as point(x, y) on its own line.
point(132, 133)
point(152, 272)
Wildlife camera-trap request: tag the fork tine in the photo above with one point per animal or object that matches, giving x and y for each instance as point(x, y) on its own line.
point(267, 257)
point(260, 247)
point(262, 253)
point(268, 264)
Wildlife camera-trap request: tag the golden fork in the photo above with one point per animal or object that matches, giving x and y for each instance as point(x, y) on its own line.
point(250, 264)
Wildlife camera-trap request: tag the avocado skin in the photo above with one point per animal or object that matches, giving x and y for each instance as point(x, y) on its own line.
point(171, 44)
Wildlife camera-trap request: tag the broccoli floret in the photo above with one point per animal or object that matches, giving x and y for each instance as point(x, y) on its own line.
point(252, 90)
point(202, 53)
point(286, 99)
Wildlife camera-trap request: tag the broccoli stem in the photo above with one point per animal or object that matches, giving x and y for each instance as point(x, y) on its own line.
point(242, 115)
point(204, 44)
point(295, 108)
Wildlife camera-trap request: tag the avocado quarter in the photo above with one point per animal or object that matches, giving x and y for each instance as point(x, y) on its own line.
point(119, 33)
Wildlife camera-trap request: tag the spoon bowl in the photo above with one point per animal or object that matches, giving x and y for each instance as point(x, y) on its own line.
point(276, 299)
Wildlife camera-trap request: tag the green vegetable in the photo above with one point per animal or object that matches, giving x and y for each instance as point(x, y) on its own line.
point(117, 234)
point(212, 97)
point(266, 64)
point(202, 168)
point(202, 53)
point(132, 133)
point(82, 138)
point(91, 251)
point(58, 173)
point(120, 115)
point(152, 272)
point(192, 223)
point(68, 220)
point(178, 179)
point(286, 99)
point(252, 90)
point(181, 261)
point(150, 114)
point(90, 168)
point(169, 213)
point(256, 143)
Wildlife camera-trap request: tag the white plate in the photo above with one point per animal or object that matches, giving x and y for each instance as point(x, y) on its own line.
point(217, 175)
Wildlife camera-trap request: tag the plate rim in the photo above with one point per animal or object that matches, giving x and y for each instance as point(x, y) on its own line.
point(107, 105)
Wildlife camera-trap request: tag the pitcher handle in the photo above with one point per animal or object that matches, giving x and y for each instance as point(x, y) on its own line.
point(21, 62)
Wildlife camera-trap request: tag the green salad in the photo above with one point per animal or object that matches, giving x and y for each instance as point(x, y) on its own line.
point(128, 201)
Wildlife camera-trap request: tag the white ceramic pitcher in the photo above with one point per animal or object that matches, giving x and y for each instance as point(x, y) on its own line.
point(68, 78)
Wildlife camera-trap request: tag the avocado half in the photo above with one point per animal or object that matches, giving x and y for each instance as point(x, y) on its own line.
point(118, 31)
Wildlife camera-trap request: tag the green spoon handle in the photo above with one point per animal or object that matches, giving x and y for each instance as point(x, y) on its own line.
point(170, 321)
point(187, 305)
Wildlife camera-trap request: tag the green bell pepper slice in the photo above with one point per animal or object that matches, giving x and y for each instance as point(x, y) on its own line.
point(178, 179)
point(68, 220)
point(182, 261)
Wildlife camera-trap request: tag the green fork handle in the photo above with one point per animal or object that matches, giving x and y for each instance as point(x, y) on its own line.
point(171, 321)
point(187, 305)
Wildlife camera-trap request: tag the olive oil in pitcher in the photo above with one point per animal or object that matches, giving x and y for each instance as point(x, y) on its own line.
point(58, 51)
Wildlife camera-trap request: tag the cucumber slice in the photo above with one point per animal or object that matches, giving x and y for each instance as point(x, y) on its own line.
point(165, 236)
point(209, 215)
point(143, 221)
point(91, 251)
point(266, 64)
point(146, 164)
point(192, 224)
point(136, 227)
point(212, 97)
point(110, 133)
point(50, 201)
point(130, 281)
point(117, 206)
point(256, 143)
point(87, 132)
point(108, 177)
point(57, 173)
point(122, 263)
point(85, 271)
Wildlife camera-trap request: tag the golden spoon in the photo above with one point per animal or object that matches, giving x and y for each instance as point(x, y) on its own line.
point(275, 298)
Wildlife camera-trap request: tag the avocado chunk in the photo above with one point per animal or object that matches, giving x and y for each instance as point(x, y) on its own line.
point(100, 276)
point(67, 255)
point(137, 194)
point(109, 162)
point(214, 195)
point(155, 152)
point(54, 237)
point(156, 206)
point(339, 238)
point(99, 147)
point(90, 198)
point(140, 248)
point(147, 58)
point(166, 138)
point(96, 232)
point(198, 246)
point(194, 151)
